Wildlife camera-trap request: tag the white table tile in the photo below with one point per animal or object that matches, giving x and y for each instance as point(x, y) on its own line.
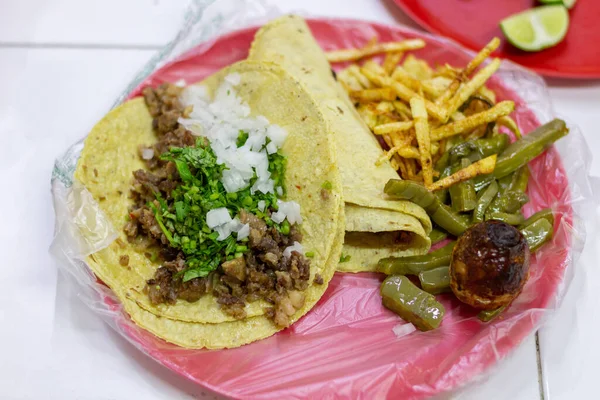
point(112, 22)
point(569, 345)
point(50, 98)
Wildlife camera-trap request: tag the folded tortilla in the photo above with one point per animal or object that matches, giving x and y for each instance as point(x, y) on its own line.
point(375, 226)
point(105, 167)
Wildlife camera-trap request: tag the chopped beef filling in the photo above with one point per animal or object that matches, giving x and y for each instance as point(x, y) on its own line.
point(261, 273)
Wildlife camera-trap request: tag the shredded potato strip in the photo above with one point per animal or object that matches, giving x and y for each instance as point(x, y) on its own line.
point(481, 167)
point(354, 71)
point(393, 127)
point(390, 61)
point(404, 93)
point(508, 122)
point(469, 88)
point(404, 77)
point(373, 95)
point(390, 47)
point(419, 113)
point(468, 123)
point(348, 81)
point(469, 69)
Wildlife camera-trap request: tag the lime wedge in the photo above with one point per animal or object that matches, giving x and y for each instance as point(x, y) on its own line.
point(567, 3)
point(538, 28)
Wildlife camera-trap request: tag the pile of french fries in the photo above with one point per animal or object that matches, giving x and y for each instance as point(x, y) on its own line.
point(418, 111)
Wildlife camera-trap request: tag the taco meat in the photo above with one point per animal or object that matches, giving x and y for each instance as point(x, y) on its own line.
point(264, 271)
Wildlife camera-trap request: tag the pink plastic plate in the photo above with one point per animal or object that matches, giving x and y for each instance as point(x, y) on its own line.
point(345, 346)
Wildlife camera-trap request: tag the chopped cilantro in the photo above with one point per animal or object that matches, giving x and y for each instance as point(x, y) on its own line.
point(345, 258)
point(327, 185)
point(182, 218)
point(310, 254)
point(241, 140)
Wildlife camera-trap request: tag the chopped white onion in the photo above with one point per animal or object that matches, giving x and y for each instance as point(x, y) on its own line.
point(291, 209)
point(244, 232)
point(271, 148)
point(295, 247)
point(147, 154)
point(217, 217)
point(403, 329)
point(181, 83)
point(261, 205)
point(221, 121)
point(278, 217)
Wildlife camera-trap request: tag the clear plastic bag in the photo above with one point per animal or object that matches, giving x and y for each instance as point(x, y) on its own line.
point(348, 346)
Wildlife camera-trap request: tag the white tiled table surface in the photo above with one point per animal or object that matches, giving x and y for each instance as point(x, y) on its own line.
point(62, 63)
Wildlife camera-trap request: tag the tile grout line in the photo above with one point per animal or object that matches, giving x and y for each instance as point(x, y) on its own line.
point(539, 366)
point(80, 46)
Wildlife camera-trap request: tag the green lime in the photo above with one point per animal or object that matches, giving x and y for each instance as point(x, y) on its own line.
point(567, 3)
point(538, 28)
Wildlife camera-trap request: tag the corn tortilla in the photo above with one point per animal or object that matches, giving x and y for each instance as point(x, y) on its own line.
point(110, 155)
point(288, 42)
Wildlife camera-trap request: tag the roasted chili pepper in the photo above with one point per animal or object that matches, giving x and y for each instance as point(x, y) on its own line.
point(416, 264)
point(435, 281)
point(511, 219)
point(537, 233)
point(412, 304)
point(437, 235)
point(463, 194)
point(420, 195)
point(520, 152)
point(546, 213)
point(488, 315)
point(484, 199)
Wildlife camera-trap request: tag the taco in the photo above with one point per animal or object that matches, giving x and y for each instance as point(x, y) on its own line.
point(375, 226)
point(227, 201)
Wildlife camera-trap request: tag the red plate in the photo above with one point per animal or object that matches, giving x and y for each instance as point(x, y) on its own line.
point(345, 346)
point(473, 23)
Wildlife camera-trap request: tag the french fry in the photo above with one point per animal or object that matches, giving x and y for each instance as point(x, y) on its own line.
point(436, 86)
point(373, 95)
point(354, 71)
point(368, 114)
point(510, 124)
point(391, 60)
point(481, 56)
point(471, 122)
point(419, 113)
point(404, 93)
point(409, 152)
point(469, 69)
point(374, 67)
point(348, 81)
point(404, 77)
point(402, 109)
point(390, 47)
point(387, 155)
point(469, 88)
point(393, 127)
point(419, 69)
point(411, 170)
point(457, 116)
point(487, 93)
point(400, 166)
point(481, 167)
point(384, 107)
